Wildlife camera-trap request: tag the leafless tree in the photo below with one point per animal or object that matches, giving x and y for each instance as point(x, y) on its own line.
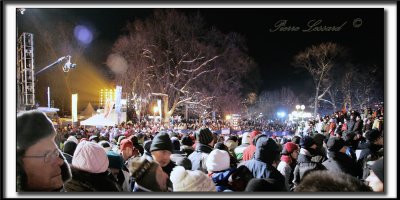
point(176, 58)
point(318, 60)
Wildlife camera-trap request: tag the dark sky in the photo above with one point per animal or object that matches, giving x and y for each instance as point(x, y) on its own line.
point(273, 51)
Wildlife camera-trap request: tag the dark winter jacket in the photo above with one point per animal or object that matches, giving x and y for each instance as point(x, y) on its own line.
point(221, 179)
point(187, 150)
point(340, 162)
point(199, 157)
point(350, 124)
point(358, 125)
point(304, 166)
point(371, 152)
point(261, 166)
point(168, 169)
point(67, 157)
point(83, 181)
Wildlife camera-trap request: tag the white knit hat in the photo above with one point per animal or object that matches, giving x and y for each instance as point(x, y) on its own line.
point(218, 160)
point(187, 180)
point(90, 157)
point(246, 138)
point(73, 139)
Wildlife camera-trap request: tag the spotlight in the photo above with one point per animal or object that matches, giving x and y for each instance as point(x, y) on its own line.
point(68, 65)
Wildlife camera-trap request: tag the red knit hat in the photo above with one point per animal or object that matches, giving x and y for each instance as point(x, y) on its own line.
point(253, 134)
point(125, 143)
point(291, 147)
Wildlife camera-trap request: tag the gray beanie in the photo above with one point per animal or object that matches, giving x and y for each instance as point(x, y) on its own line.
point(32, 126)
point(161, 142)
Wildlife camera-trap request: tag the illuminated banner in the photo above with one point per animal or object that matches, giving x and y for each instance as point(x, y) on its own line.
point(159, 107)
point(74, 107)
point(225, 131)
point(118, 103)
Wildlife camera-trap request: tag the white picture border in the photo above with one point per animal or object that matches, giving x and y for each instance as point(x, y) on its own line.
point(9, 117)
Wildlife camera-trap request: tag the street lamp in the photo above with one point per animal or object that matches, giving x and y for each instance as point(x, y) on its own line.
point(302, 107)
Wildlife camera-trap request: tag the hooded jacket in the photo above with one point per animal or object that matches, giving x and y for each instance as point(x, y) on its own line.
point(261, 164)
point(340, 162)
point(304, 166)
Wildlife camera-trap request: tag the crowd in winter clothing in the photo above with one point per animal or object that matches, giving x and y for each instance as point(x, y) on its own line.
point(126, 158)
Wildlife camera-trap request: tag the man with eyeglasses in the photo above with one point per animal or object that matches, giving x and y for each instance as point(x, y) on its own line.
point(40, 165)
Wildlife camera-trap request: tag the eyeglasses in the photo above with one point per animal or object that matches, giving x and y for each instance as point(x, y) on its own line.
point(49, 156)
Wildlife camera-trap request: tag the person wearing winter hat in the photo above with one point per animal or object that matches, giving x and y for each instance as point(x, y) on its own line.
point(222, 146)
point(304, 160)
point(240, 149)
point(148, 176)
point(265, 160)
point(249, 151)
point(40, 164)
point(120, 176)
point(204, 136)
point(73, 138)
point(69, 149)
point(219, 169)
point(126, 149)
point(161, 149)
point(289, 156)
point(204, 139)
point(376, 180)
point(89, 170)
point(190, 181)
point(338, 160)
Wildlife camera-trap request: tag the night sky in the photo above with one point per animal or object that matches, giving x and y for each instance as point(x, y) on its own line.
point(272, 51)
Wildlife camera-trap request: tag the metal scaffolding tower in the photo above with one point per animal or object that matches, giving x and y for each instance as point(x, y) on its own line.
point(25, 72)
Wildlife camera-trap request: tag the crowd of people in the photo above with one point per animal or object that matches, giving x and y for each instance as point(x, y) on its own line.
point(336, 153)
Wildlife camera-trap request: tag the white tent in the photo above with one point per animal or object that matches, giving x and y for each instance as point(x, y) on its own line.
point(97, 120)
point(88, 112)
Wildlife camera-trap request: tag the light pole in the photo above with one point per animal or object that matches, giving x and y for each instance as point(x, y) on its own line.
point(297, 112)
point(302, 107)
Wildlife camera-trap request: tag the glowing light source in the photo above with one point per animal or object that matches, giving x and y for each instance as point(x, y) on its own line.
point(83, 34)
point(228, 117)
point(74, 107)
point(281, 114)
point(155, 109)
